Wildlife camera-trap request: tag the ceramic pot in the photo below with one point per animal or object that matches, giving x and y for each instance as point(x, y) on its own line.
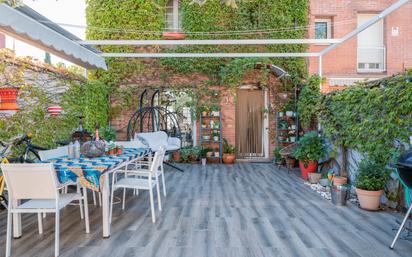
point(338, 180)
point(314, 177)
point(289, 114)
point(310, 167)
point(203, 161)
point(228, 158)
point(324, 182)
point(216, 138)
point(8, 98)
point(217, 154)
point(176, 156)
point(280, 114)
point(369, 200)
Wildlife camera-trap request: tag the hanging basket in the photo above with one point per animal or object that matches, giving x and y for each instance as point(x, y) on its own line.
point(54, 110)
point(8, 98)
point(169, 35)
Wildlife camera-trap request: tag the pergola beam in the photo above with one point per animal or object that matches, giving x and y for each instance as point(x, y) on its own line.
point(207, 55)
point(212, 42)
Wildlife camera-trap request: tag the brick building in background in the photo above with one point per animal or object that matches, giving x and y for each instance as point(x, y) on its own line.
point(382, 50)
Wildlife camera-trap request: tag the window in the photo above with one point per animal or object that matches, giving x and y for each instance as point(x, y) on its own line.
point(371, 49)
point(323, 28)
point(173, 16)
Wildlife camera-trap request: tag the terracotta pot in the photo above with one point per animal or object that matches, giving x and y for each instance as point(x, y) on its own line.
point(8, 98)
point(169, 35)
point(312, 166)
point(111, 152)
point(369, 200)
point(212, 160)
point(338, 180)
point(119, 151)
point(176, 156)
point(290, 162)
point(228, 158)
point(314, 177)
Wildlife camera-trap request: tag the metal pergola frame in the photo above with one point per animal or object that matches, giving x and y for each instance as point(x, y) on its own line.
point(330, 44)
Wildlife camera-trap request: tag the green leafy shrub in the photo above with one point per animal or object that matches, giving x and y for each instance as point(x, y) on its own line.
point(228, 148)
point(309, 101)
point(190, 153)
point(107, 133)
point(372, 176)
point(311, 147)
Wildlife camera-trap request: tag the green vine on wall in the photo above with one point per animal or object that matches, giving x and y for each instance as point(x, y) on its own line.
point(368, 117)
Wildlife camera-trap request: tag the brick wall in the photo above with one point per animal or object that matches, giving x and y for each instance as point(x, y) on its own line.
point(343, 60)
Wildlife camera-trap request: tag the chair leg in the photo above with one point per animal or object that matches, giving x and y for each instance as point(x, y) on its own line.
point(124, 199)
point(94, 198)
point(159, 201)
point(152, 209)
point(57, 234)
point(111, 204)
point(86, 211)
point(100, 199)
point(164, 184)
point(8, 238)
point(401, 227)
point(40, 222)
point(78, 190)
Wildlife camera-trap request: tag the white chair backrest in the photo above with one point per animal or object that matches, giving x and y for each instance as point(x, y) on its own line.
point(30, 181)
point(130, 144)
point(157, 160)
point(53, 153)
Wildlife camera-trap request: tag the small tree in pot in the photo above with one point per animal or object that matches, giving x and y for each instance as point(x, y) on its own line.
point(310, 149)
point(229, 150)
point(370, 182)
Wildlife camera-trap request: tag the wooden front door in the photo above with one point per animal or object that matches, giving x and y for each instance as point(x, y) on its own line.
point(250, 123)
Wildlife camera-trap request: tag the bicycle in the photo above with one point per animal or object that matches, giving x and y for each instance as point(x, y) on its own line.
point(29, 155)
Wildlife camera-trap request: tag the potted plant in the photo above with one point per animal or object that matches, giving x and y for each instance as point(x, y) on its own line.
point(203, 155)
point(314, 177)
point(216, 136)
point(370, 182)
point(107, 133)
point(176, 156)
point(215, 109)
point(229, 150)
point(310, 149)
point(277, 157)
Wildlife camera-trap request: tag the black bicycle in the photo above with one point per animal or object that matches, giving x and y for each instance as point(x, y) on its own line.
point(26, 151)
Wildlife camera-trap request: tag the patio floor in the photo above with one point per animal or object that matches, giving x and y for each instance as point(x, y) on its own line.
point(247, 209)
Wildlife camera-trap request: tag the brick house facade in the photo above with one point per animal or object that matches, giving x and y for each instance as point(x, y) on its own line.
point(340, 66)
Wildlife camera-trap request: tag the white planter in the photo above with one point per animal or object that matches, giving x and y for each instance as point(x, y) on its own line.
point(215, 113)
point(293, 126)
point(289, 114)
point(206, 137)
point(280, 114)
point(217, 154)
point(292, 139)
point(216, 138)
point(203, 161)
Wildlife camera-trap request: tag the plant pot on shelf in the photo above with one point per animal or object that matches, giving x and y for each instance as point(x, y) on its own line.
point(310, 167)
point(215, 113)
point(314, 177)
point(171, 35)
point(228, 158)
point(280, 114)
point(203, 161)
point(176, 156)
point(339, 181)
point(8, 99)
point(369, 200)
point(289, 114)
point(216, 154)
point(290, 162)
point(215, 138)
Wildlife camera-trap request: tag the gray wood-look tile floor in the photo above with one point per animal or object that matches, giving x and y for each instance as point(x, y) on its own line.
point(250, 210)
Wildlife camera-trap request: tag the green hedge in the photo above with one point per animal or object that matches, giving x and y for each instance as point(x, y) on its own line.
point(368, 117)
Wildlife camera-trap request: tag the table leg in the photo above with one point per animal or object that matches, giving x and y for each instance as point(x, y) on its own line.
point(16, 221)
point(105, 206)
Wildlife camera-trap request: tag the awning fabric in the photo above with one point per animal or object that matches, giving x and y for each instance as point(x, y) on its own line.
point(25, 24)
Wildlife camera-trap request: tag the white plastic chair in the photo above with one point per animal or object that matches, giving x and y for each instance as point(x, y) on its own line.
point(38, 186)
point(142, 163)
point(144, 179)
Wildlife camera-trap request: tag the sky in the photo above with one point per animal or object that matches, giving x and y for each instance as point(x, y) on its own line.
point(58, 11)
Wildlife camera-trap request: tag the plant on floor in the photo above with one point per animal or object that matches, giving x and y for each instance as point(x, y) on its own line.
point(277, 157)
point(309, 150)
point(370, 182)
point(229, 151)
point(190, 153)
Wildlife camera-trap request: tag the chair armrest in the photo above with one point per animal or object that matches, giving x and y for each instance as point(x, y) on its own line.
point(174, 141)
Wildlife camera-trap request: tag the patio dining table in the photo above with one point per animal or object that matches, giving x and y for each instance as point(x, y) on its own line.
point(92, 173)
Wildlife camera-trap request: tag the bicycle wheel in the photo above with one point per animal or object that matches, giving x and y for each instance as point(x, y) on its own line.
point(31, 156)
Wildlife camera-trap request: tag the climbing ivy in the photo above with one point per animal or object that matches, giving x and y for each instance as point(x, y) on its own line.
point(368, 117)
point(309, 100)
point(132, 19)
